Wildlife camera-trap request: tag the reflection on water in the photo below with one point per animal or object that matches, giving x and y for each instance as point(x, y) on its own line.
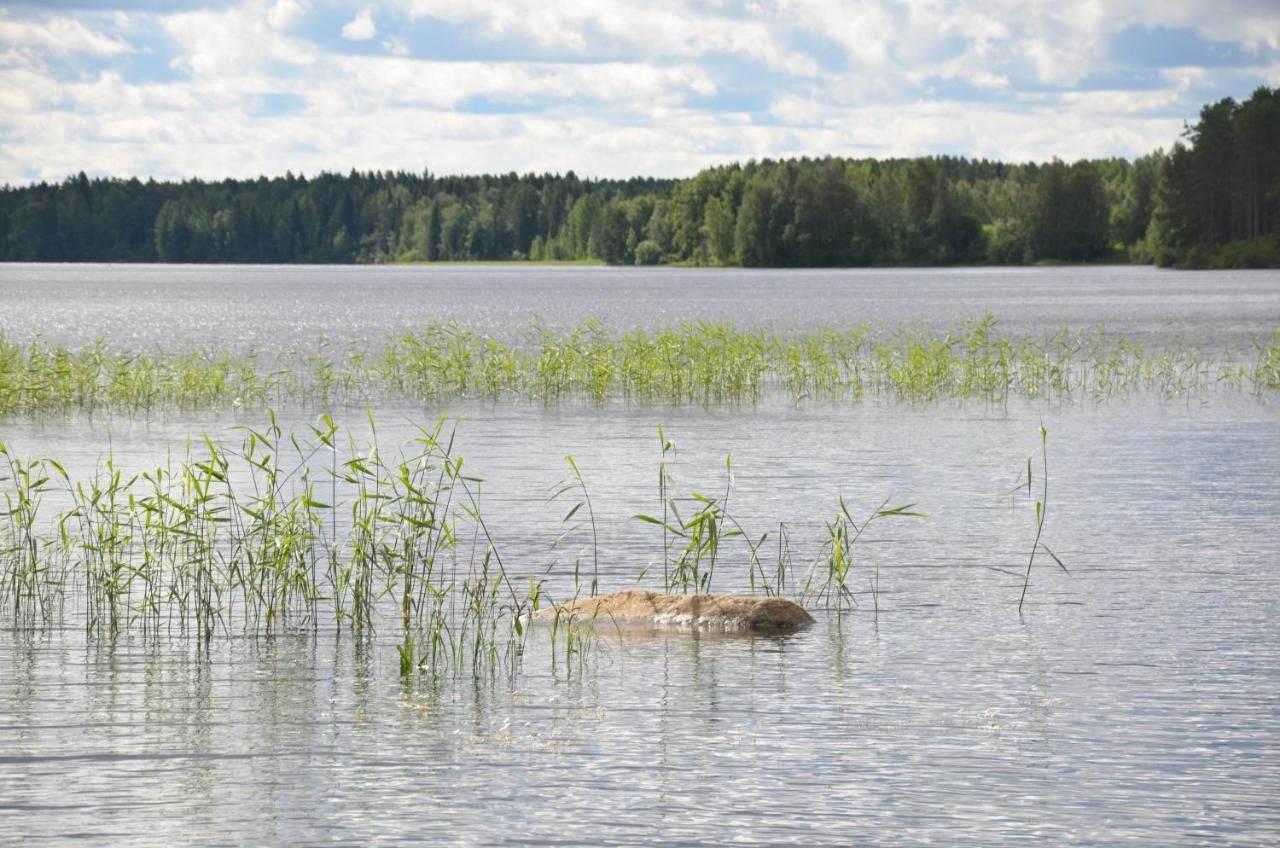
point(989, 729)
point(1135, 700)
point(168, 307)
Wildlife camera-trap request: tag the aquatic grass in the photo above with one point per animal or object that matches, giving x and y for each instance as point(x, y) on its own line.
point(107, 542)
point(1265, 374)
point(692, 568)
point(692, 362)
point(665, 487)
point(49, 378)
point(774, 583)
point(31, 583)
point(294, 531)
point(1042, 512)
point(276, 531)
point(246, 540)
point(689, 564)
point(575, 484)
point(829, 580)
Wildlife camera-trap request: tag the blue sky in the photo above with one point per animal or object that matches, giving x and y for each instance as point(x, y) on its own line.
point(179, 88)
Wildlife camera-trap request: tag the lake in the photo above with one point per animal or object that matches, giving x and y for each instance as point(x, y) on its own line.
point(1135, 698)
point(148, 306)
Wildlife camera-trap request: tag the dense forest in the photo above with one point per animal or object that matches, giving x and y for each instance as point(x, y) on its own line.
point(1213, 201)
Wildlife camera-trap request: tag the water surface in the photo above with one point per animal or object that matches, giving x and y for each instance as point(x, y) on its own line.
point(144, 307)
point(1135, 700)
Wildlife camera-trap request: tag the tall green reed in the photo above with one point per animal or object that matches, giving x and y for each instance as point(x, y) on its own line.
point(31, 582)
point(829, 580)
point(691, 362)
point(576, 485)
point(691, 547)
point(286, 532)
point(1042, 513)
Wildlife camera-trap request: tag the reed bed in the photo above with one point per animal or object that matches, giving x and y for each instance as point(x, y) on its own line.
point(695, 362)
point(294, 532)
point(286, 533)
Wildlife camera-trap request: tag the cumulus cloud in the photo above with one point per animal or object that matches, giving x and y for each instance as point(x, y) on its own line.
point(361, 27)
point(663, 87)
point(59, 36)
point(285, 13)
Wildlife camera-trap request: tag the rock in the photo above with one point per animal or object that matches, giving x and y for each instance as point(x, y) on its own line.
point(638, 607)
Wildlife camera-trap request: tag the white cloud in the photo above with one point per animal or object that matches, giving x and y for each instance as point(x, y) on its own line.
point(361, 27)
point(604, 89)
point(59, 36)
point(233, 44)
point(362, 81)
point(584, 28)
point(24, 91)
point(285, 13)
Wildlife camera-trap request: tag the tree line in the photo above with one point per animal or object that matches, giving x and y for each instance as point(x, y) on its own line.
point(1213, 200)
point(1218, 196)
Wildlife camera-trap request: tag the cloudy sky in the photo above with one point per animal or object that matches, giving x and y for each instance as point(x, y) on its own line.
point(170, 88)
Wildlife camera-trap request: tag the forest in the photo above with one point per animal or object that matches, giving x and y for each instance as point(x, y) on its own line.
point(1213, 200)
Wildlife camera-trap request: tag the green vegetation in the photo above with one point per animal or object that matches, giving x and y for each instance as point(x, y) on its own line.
point(690, 363)
point(228, 541)
point(927, 211)
point(708, 526)
point(1217, 200)
point(294, 532)
point(1212, 203)
point(576, 485)
point(829, 581)
point(1042, 513)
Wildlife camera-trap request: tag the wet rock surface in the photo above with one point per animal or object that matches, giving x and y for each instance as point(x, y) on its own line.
point(639, 607)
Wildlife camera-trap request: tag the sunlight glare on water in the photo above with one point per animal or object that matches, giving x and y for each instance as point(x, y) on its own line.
point(1134, 700)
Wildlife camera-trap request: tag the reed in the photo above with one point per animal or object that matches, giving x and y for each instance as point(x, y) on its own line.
point(774, 583)
point(1265, 374)
point(33, 577)
point(287, 532)
point(692, 362)
point(829, 580)
point(295, 531)
point(1042, 513)
point(574, 484)
point(699, 537)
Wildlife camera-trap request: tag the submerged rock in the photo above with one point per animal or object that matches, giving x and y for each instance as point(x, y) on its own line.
point(639, 607)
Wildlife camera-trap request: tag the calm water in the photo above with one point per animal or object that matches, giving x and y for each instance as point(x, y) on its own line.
point(166, 306)
point(1137, 699)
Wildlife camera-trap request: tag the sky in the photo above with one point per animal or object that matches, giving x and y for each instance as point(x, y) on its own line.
point(175, 89)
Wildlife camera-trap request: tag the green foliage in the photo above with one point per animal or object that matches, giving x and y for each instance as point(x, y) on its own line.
point(1071, 213)
point(699, 537)
point(648, 252)
point(1222, 186)
point(576, 485)
point(1258, 252)
point(803, 212)
point(226, 540)
point(1008, 242)
point(1133, 190)
point(360, 217)
point(1217, 199)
